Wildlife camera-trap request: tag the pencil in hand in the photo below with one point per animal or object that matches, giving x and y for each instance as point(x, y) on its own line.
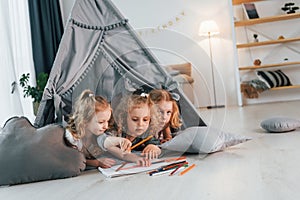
point(141, 142)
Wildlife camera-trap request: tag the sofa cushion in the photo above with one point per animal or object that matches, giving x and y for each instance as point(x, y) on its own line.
point(183, 68)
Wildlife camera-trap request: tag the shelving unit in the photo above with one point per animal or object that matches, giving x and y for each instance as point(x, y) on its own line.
point(286, 87)
point(269, 66)
point(237, 2)
point(266, 19)
point(266, 43)
point(278, 41)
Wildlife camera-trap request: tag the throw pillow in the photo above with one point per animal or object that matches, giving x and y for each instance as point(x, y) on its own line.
point(28, 154)
point(280, 124)
point(274, 78)
point(202, 139)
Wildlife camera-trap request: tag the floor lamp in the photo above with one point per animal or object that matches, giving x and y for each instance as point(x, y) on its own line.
point(209, 28)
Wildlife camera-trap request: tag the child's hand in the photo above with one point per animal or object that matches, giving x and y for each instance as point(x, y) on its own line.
point(122, 143)
point(125, 145)
point(106, 162)
point(165, 140)
point(151, 151)
point(144, 162)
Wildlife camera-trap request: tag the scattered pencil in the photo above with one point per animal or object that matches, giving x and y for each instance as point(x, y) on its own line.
point(177, 168)
point(169, 160)
point(119, 168)
point(160, 173)
point(174, 159)
point(167, 167)
point(172, 166)
point(141, 142)
point(187, 169)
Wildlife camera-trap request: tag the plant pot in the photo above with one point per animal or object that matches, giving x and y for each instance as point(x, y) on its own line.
point(35, 107)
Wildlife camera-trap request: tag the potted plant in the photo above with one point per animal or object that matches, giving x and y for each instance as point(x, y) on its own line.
point(35, 92)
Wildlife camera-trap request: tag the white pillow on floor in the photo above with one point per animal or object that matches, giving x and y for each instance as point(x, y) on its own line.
point(202, 139)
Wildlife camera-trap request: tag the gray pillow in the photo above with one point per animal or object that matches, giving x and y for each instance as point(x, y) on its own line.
point(280, 124)
point(202, 140)
point(28, 154)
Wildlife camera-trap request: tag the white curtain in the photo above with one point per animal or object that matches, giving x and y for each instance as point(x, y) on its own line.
point(15, 59)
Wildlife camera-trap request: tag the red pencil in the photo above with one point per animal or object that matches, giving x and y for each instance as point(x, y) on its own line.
point(167, 167)
point(174, 165)
point(176, 169)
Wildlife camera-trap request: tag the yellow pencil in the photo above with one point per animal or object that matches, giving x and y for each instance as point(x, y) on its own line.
point(187, 169)
point(141, 142)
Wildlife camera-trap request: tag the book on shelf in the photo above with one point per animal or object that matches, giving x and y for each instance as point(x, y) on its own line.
point(250, 10)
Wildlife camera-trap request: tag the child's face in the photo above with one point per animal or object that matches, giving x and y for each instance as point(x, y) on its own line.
point(138, 120)
point(99, 123)
point(166, 109)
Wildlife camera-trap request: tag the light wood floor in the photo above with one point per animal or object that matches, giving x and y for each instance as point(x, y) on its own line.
point(265, 168)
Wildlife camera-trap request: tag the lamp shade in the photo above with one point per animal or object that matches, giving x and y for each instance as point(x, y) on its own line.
point(208, 27)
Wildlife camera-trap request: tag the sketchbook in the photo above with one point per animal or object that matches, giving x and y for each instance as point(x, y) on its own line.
point(133, 168)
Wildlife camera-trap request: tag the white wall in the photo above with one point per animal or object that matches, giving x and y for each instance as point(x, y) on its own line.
point(170, 28)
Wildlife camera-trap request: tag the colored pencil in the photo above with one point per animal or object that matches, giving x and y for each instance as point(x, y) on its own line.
point(174, 165)
point(174, 159)
point(141, 142)
point(166, 167)
point(158, 161)
point(176, 169)
point(160, 173)
point(169, 160)
point(119, 168)
point(187, 169)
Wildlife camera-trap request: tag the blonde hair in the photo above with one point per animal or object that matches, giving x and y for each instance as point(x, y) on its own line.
point(85, 107)
point(159, 95)
point(130, 102)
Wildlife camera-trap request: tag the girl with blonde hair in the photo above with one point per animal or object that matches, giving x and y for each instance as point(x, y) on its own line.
point(86, 129)
point(137, 118)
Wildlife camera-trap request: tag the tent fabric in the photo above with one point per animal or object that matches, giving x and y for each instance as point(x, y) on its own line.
point(100, 51)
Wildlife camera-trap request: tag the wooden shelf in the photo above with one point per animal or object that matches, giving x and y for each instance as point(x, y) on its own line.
point(278, 41)
point(285, 87)
point(268, 66)
point(267, 19)
point(237, 2)
point(251, 92)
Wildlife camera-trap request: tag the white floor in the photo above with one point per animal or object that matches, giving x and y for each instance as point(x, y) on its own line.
point(265, 168)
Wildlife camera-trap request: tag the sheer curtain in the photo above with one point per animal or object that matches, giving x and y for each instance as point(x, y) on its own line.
point(16, 59)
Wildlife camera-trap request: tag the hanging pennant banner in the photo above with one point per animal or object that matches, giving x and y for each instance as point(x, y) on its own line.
point(161, 27)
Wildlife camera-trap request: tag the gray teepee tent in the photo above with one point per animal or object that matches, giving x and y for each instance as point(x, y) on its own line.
point(100, 51)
